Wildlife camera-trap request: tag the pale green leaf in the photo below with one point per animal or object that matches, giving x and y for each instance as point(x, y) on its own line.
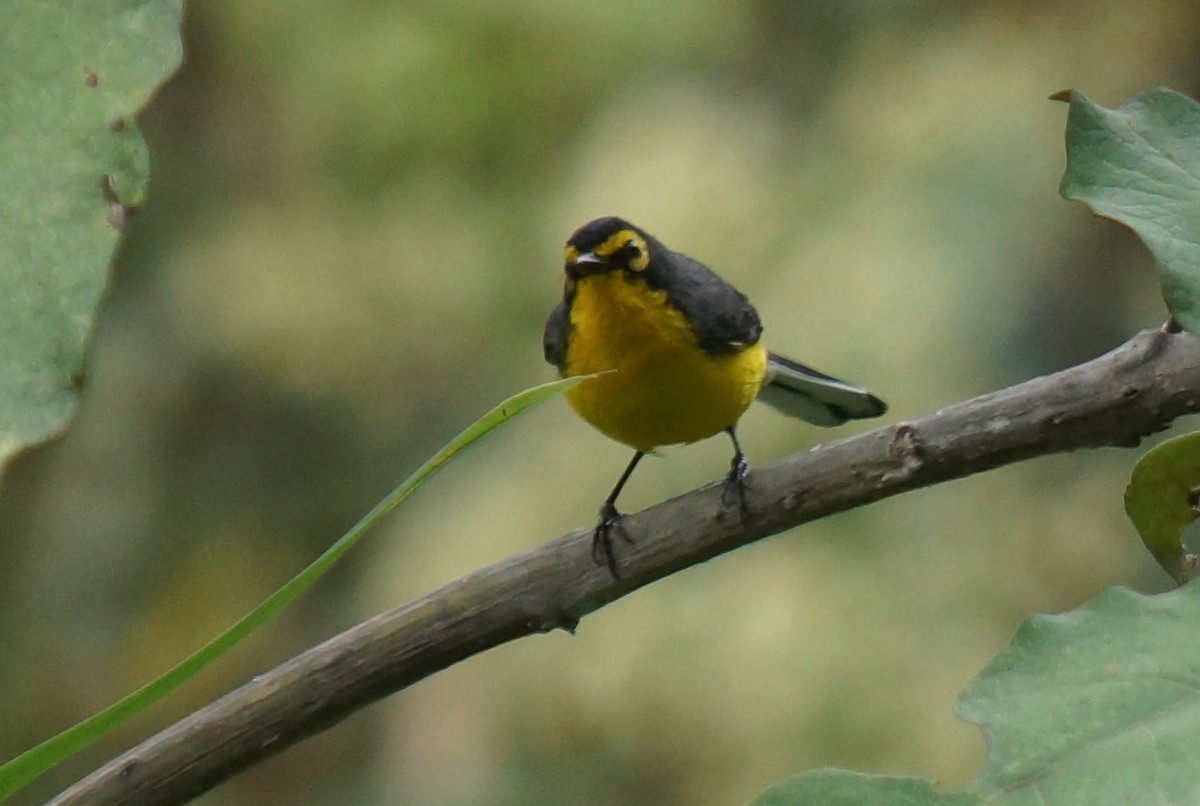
point(74, 74)
point(1139, 164)
point(1099, 706)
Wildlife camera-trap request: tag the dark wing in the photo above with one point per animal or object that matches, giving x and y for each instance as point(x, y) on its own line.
point(554, 339)
point(723, 319)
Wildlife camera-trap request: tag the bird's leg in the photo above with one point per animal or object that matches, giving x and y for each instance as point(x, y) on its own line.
point(735, 482)
point(610, 521)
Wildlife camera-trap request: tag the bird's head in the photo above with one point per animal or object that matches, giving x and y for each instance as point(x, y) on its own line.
point(604, 245)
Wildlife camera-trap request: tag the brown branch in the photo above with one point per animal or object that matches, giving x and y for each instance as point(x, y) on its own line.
point(1116, 399)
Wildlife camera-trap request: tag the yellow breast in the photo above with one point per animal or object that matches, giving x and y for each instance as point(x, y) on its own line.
point(663, 389)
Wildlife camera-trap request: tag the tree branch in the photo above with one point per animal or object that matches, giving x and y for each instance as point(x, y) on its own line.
point(1114, 400)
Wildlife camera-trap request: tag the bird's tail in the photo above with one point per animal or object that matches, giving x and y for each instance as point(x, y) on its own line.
point(803, 392)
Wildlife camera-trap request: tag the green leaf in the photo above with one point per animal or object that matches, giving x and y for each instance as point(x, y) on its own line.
point(1097, 706)
point(18, 772)
point(1161, 499)
point(847, 788)
point(1139, 164)
point(74, 74)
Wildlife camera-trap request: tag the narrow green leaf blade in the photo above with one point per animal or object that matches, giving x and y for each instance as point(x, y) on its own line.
point(1160, 500)
point(74, 74)
point(1139, 164)
point(18, 772)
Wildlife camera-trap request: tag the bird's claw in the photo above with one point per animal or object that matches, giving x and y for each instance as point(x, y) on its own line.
point(735, 483)
point(602, 547)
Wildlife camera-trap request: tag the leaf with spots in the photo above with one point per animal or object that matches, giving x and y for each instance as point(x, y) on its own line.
point(75, 166)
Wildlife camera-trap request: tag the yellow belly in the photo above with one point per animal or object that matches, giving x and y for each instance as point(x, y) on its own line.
point(663, 389)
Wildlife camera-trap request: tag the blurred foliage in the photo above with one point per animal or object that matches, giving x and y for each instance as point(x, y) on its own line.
point(352, 240)
point(833, 787)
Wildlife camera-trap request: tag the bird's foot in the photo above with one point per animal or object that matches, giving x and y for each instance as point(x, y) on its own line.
point(602, 547)
point(735, 483)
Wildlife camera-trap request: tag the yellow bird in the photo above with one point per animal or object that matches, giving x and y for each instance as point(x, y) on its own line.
point(680, 355)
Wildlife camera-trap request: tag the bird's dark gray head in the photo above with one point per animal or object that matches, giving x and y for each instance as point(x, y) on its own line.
point(605, 244)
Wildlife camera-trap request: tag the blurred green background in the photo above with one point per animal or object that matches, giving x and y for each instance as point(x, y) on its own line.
point(353, 239)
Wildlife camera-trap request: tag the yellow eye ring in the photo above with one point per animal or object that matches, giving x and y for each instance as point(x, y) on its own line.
point(635, 253)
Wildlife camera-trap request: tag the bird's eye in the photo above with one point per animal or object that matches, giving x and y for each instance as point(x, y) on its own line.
point(635, 255)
